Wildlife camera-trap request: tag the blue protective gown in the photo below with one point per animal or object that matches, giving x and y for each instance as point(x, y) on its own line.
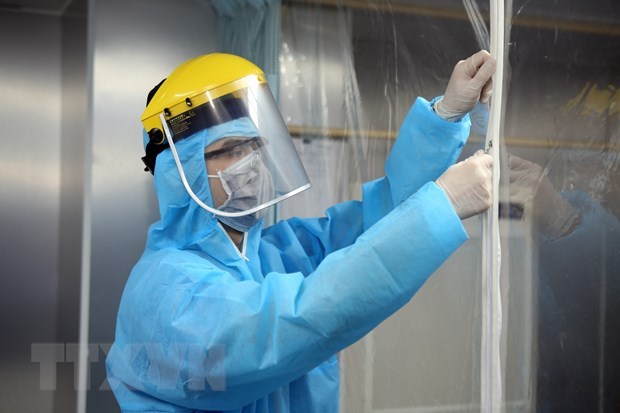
point(203, 326)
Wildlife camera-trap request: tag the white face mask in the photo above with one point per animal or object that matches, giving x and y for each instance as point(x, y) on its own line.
point(247, 183)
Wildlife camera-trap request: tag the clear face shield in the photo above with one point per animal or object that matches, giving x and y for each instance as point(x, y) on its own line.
point(234, 138)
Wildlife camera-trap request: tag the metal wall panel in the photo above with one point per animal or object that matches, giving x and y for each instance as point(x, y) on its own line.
point(30, 92)
point(73, 164)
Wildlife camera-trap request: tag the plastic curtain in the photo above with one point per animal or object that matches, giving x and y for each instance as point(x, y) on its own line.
point(563, 137)
point(251, 29)
point(320, 101)
point(350, 71)
point(349, 77)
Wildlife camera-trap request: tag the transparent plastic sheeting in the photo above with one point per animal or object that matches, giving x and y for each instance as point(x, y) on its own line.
point(562, 115)
point(350, 71)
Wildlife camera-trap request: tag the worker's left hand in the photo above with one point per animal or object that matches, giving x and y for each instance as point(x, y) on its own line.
point(470, 82)
point(531, 188)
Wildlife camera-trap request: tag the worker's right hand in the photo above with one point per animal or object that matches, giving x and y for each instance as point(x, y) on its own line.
point(469, 83)
point(468, 184)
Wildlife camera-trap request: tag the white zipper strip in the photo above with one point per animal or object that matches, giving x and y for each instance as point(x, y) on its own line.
point(491, 383)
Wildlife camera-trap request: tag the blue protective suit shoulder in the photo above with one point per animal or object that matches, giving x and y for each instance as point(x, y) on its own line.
point(201, 328)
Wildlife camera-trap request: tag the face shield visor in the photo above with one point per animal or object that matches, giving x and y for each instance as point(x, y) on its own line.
point(233, 151)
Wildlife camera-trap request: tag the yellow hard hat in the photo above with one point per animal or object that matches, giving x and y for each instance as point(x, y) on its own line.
point(196, 82)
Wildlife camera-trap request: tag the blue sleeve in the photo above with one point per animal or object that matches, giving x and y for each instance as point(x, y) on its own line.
point(426, 146)
point(270, 333)
point(300, 244)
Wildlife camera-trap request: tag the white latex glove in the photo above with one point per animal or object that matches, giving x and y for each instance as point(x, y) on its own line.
point(470, 82)
point(530, 187)
point(468, 184)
